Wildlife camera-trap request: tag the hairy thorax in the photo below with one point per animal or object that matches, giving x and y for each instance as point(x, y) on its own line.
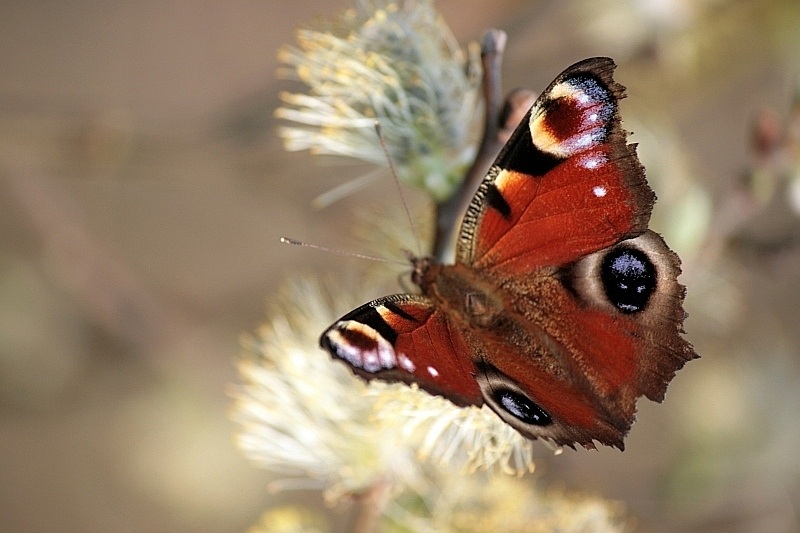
point(462, 292)
point(492, 315)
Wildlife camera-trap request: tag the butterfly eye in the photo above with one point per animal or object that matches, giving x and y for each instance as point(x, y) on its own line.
point(521, 407)
point(629, 278)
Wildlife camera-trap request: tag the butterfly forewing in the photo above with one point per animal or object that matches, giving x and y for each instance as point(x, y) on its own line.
point(405, 338)
point(565, 185)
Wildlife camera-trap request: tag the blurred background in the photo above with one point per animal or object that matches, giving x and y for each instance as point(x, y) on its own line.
point(143, 191)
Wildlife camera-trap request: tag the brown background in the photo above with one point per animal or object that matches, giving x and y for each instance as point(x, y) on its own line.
point(143, 192)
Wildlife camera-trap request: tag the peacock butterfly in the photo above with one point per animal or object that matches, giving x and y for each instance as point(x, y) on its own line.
point(562, 307)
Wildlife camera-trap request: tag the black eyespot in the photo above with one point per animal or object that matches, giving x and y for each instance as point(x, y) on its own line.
point(521, 407)
point(629, 279)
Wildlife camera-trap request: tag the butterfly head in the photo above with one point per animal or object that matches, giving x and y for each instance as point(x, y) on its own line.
point(425, 271)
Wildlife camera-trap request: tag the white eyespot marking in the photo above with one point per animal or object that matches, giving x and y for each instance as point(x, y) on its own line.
point(433, 372)
point(362, 346)
point(406, 363)
point(568, 90)
point(592, 162)
point(383, 311)
point(575, 116)
point(584, 141)
point(504, 180)
point(371, 360)
point(599, 191)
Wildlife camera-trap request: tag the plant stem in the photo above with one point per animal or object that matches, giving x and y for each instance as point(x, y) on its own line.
point(450, 212)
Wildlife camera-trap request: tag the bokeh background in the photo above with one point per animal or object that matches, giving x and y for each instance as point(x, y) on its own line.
point(143, 191)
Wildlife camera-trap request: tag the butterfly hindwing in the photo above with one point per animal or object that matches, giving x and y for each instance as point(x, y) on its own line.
point(585, 357)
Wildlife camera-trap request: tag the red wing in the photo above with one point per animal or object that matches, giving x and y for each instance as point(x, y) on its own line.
point(569, 412)
point(559, 229)
point(405, 338)
point(594, 339)
point(565, 185)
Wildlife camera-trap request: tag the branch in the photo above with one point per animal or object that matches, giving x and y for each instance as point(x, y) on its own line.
point(449, 212)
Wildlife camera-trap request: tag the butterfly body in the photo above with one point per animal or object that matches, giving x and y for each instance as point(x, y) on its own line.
point(562, 308)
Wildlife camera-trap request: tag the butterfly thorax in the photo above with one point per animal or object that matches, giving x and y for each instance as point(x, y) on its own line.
point(459, 290)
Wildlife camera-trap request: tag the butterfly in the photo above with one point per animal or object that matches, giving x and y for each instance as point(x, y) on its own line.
point(562, 307)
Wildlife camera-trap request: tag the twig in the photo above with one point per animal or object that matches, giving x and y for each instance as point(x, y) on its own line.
point(449, 212)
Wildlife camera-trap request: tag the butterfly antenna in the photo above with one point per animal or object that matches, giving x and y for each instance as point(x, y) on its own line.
point(286, 240)
point(397, 184)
